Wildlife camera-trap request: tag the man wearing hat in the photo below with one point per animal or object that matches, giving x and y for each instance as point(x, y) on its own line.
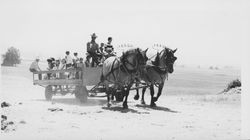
point(34, 67)
point(93, 51)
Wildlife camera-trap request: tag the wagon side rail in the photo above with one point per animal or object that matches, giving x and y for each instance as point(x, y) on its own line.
point(39, 77)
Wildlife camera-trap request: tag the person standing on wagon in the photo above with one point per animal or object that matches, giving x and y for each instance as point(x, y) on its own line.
point(93, 51)
point(69, 60)
point(75, 60)
point(34, 67)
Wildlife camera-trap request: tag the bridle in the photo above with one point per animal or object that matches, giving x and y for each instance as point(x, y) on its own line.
point(163, 70)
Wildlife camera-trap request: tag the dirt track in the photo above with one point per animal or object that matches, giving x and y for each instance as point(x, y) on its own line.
point(176, 117)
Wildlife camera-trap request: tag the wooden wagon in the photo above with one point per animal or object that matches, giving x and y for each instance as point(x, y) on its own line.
point(74, 81)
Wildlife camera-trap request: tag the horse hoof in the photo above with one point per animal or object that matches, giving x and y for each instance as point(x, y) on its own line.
point(136, 97)
point(143, 102)
point(152, 105)
point(125, 106)
point(155, 99)
point(108, 105)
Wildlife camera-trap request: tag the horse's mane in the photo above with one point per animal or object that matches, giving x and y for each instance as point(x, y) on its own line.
point(157, 59)
point(128, 52)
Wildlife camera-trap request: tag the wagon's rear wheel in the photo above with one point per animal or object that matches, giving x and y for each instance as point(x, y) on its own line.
point(48, 93)
point(81, 93)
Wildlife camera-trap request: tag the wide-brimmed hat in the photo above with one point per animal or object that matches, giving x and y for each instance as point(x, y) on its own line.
point(93, 35)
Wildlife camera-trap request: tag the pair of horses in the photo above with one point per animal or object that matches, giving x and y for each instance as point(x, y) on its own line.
point(134, 65)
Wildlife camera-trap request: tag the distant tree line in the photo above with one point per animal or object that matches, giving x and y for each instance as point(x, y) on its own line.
point(11, 57)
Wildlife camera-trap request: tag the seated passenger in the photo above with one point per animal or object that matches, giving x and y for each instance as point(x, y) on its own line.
point(50, 67)
point(80, 67)
point(57, 67)
point(109, 49)
point(62, 66)
point(34, 67)
point(50, 63)
point(75, 60)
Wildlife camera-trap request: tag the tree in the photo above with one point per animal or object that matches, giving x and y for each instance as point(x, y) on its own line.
point(11, 57)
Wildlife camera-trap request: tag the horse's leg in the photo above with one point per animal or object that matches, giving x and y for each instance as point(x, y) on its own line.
point(108, 96)
point(142, 96)
point(159, 92)
point(137, 96)
point(125, 105)
point(112, 96)
point(152, 104)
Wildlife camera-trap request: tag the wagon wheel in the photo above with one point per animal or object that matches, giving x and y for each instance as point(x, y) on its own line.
point(81, 93)
point(48, 93)
point(119, 96)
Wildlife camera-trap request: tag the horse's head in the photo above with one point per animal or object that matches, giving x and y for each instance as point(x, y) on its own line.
point(142, 57)
point(134, 58)
point(170, 59)
point(165, 60)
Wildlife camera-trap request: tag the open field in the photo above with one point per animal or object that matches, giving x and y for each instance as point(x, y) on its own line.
point(189, 109)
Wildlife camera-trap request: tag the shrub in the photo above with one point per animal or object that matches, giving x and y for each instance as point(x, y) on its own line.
point(11, 57)
point(233, 84)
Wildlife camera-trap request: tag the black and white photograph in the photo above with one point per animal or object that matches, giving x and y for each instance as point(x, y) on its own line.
point(125, 69)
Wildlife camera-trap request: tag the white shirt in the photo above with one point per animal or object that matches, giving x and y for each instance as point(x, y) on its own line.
point(69, 60)
point(34, 65)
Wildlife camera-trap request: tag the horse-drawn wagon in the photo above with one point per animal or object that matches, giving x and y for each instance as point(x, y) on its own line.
point(116, 77)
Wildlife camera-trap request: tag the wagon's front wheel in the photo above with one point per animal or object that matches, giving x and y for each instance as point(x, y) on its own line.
point(48, 93)
point(119, 96)
point(81, 93)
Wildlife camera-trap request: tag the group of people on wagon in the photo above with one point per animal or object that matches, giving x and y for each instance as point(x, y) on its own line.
point(65, 63)
point(95, 56)
point(98, 54)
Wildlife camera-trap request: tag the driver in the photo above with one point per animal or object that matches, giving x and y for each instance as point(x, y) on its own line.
point(93, 51)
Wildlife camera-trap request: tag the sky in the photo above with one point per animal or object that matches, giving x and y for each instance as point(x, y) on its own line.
point(206, 32)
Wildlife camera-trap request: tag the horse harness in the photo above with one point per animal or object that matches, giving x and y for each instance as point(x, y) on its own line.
point(121, 67)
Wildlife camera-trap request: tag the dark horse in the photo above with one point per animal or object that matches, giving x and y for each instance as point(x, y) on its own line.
point(119, 73)
point(156, 72)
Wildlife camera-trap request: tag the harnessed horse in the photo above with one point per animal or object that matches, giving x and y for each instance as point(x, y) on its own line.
point(119, 73)
point(156, 72)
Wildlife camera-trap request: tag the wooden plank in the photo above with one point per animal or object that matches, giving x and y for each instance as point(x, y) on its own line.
point(59, 82)
point(57, 71)
point(92, 75)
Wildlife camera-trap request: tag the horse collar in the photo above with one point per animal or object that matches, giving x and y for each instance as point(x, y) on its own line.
point(160, 70)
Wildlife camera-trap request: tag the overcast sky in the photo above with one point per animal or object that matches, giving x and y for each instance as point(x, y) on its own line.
point(209, 32)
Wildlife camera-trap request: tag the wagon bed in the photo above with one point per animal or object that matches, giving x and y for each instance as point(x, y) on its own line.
point(86, 76)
